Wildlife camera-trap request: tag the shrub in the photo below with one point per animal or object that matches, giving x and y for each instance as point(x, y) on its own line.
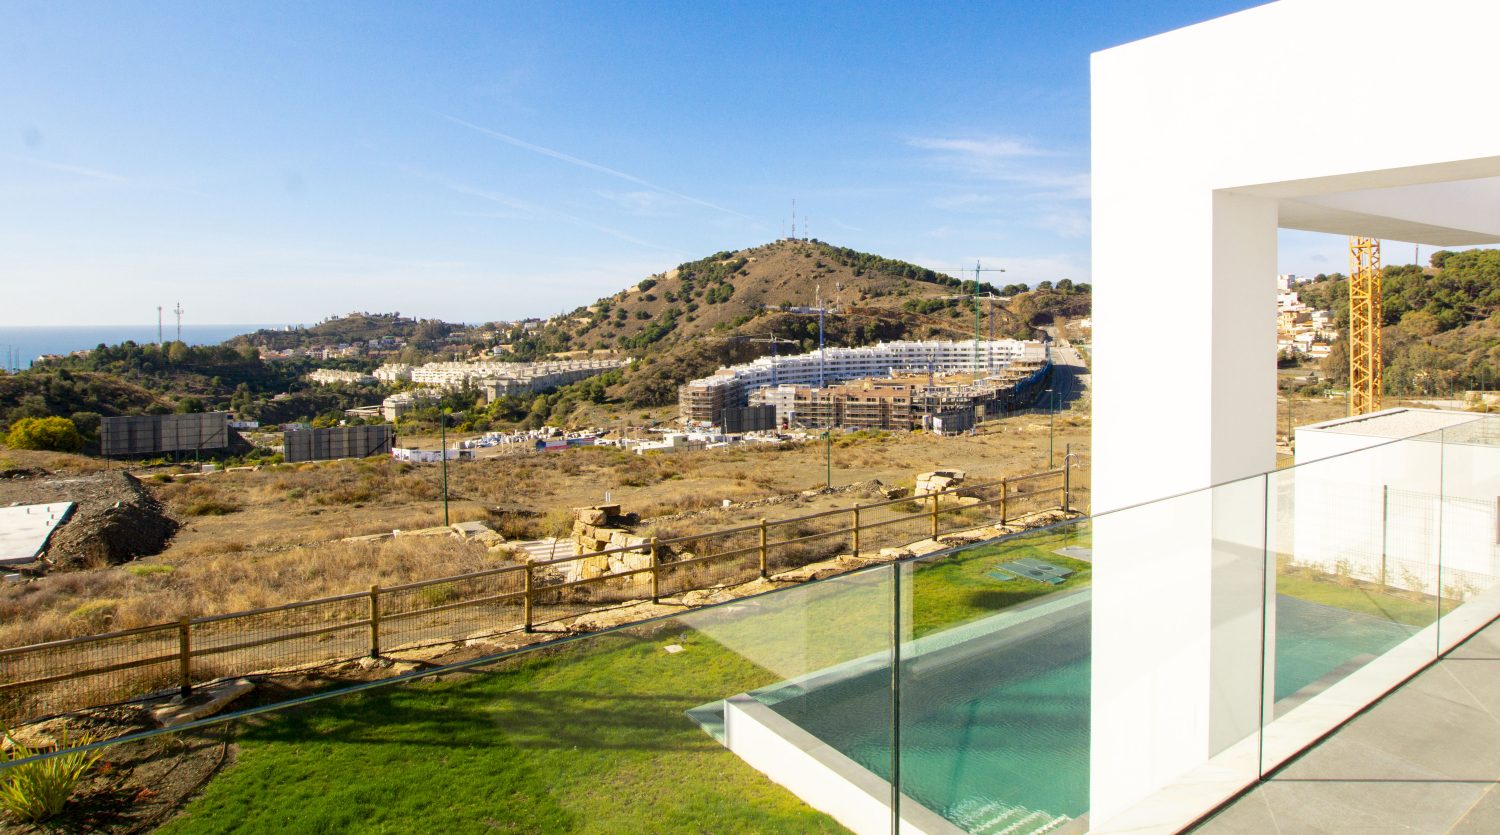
point(211, 507)
point(54, 434)
point(38, 791)
point(98, 614)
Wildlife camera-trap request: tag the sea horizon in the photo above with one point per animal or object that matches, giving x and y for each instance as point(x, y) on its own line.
point(21, 345)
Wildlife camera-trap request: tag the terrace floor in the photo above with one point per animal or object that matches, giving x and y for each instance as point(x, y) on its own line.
point(1426, 758)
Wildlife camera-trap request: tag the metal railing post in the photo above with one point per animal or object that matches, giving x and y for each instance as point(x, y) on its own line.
point(375, 621)
point(655, 573)
point(764, 553)
point(526, 617)
point(934, 515)
point(1004, 497)
point(185, 656)
point(856, 529)
point(1067, 477)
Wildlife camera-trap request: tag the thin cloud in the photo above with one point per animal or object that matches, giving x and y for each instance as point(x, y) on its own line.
point(592, 166)
point(990, 148)
point(1004, 160)
point(92, 173)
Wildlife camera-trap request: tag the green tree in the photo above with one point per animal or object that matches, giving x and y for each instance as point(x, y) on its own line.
point(1420, 323)
point(56, 434)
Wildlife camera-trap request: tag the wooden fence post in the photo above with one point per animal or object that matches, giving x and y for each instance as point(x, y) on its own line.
point(856, 529)
point(764, 555)
point(526, 617)
point(185, 656)
point(1004, 496)
point(934, 515)
point(375, 621)
point(655, 573)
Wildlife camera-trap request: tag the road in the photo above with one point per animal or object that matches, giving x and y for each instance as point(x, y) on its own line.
point(1070, 374)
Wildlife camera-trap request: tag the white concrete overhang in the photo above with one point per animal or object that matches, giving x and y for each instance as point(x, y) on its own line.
point(1452, 204)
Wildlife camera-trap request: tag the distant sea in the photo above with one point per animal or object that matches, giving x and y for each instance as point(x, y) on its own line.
point(19, 346)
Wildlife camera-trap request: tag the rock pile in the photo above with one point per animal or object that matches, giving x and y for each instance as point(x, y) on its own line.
point(938, 481)
point(603, 528)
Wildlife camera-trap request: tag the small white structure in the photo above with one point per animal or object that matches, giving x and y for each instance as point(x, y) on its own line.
point(25, 530)
point(1399, 503)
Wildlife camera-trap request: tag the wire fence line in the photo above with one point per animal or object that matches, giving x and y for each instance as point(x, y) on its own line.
point(59, 676)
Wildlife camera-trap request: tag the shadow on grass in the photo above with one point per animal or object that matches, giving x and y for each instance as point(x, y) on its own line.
point(471, 715)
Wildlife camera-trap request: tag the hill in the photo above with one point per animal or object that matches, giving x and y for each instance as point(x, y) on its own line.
point(1440, 330)
point(130, 379)
point(83, 396)
point(355, 327)
point(685, 322)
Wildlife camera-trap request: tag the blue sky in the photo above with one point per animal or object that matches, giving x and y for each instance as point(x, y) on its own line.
point(281, 162)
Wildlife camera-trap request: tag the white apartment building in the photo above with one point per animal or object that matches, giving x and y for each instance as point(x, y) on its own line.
point(393, 372)
point(502, 377)
point(330, 376)
point(705, 398)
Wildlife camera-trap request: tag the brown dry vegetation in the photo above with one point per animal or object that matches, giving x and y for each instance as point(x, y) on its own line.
point(261, 538)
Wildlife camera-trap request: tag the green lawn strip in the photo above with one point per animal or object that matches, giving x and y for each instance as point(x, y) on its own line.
point(958, 588)
point(589, 738)
point(1358, 596)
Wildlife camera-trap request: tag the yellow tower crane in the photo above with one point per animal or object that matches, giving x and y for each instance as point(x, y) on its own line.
point(1364, 325)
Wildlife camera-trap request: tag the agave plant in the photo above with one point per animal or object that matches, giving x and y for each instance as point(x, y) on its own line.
point(37, 791)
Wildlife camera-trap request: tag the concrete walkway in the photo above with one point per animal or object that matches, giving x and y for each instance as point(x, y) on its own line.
point(1425, 759)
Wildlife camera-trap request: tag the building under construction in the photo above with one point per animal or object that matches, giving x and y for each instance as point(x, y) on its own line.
point(905, 401)
point(704, 400)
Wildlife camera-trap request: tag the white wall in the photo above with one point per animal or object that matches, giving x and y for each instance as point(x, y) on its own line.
point(1204, 140)
point(1418, 514)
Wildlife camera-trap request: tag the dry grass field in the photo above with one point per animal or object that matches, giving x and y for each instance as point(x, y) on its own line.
point(261, 538)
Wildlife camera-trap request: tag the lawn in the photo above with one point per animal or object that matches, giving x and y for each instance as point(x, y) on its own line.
point(1359, 596)
point(589, 736)
point(959, 588)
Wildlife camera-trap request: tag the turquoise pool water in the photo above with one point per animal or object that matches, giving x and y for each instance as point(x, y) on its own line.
point(1314, 641)
point(995, 730)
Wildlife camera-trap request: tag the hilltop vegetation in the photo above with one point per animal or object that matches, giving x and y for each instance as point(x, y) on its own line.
point(686, 322)
point(1439, 329)
point(134, 379)
point(355, 327)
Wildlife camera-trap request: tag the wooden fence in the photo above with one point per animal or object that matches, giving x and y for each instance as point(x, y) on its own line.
point(58, 676)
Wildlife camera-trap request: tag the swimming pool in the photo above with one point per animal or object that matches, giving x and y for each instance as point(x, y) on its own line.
point(994, 729)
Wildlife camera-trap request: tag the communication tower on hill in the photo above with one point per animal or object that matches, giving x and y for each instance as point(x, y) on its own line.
point(178, 310)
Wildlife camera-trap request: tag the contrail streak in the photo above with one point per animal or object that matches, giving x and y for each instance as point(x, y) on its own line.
point(592, 166)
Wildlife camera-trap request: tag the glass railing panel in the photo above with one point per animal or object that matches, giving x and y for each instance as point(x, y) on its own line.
point(692, 723)
point(1469, 544)
point(993, 685)
point(1178, 607)
point(1353, 543)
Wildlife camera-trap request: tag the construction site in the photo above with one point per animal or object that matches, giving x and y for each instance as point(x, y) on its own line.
point(951, 402)
point(890, 385)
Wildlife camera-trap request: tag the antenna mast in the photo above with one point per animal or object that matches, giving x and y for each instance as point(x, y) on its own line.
point(178, 310)
point(794, 218)
point(158, 326)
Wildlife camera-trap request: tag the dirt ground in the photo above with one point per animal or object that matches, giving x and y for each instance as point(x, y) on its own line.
point(116, 518)
point(134, 787)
